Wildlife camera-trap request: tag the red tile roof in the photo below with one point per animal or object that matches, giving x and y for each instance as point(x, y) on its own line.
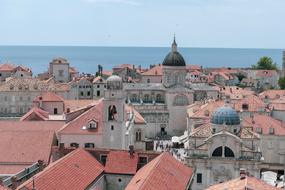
point(7, 67)
point(24, 147)
point(35, 114)
point(251, 183)
point(155, 71)
point(76, 126)
point(78, 104)
point(272, 94)
point(164, 172)
point(48, 97)
point(75, 171)
point(3, 188)
point(265, 123)
point(121, 162)
point(254, 103)
point(138, 117)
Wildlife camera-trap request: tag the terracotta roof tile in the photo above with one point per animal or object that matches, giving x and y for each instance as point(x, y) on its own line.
point(121, 162)
point(254, 104)
point(264, 122)
point(78, 104)
point(272, 94)
point(163, 172)
point(155, 71)
point(138, 117)
point(240, 184)
point(35, 114)
point(76, 126)
point(77, 170)
point(48, 97)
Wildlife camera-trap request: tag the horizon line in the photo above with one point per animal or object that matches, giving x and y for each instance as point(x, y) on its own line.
point(127, 46)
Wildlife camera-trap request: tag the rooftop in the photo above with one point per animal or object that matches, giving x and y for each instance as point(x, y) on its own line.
point(163, 172)
point(75, 171)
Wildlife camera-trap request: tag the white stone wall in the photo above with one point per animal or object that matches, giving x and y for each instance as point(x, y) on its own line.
point(151, 79)
point(63, 76)
point(117, 182)
point(81, 139)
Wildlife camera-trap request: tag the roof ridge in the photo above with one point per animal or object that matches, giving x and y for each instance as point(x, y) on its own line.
point(154, 167)
point(54, 165)
point(84, 113)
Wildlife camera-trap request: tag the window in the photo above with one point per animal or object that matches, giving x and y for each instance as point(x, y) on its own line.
point(82, 93)
point(245, 106)
point(98, 86)
point(112, 127)
point(258, 130)
point(112, 112)
point(199, 178)
point(235, 131)
point(5, 98)
point(75, 145)
point(98, 92)
point(218, 152)
point(92, 125)
point(148, 80)
point(103, 159)
point(89, 145)
point(134, 98)
point(55, 111)
point(214, 130)
point(159, 98)
point(21, 98)
point(142, 160)
point(229, 152)
point(88, 93)
point(0, 74)
point(138, 135)
point(147, 98)
point(180, 100)
point(271, 131)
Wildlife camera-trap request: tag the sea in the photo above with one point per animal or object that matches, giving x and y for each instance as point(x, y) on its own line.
point(87, 59)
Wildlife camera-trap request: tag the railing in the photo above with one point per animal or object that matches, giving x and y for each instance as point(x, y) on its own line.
point(22, 174)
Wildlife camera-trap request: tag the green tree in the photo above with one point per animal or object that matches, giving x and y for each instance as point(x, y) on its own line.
point(281, 82)
point(265, 63)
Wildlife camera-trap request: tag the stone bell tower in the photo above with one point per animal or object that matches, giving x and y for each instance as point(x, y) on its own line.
point(114, 114)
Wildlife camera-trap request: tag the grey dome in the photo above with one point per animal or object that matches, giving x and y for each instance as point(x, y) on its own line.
point(174, 58)
point(114, 78)
point(225, 115)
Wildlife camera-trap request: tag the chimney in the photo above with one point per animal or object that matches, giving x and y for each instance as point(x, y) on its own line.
point(131, 150)
point(41, 165)
point(14, 182)
point(242, 173)
point(41, 101)
point(61, 146)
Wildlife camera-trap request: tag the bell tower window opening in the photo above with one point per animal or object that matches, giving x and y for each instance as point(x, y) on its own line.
point(112, 111)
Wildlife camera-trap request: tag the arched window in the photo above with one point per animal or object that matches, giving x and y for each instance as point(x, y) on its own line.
point(218, 152)
point(138, 135)
point(229, 152)
point(159, 98)
point(147, 98)
point(112, 111)
point(180, 100)
point(134, 98)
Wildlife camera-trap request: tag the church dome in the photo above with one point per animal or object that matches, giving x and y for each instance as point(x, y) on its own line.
point(114, 78)
point(114, 82)
point(225, 115)
point(174, 58)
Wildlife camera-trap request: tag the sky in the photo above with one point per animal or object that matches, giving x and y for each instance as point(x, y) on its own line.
point(147, 23)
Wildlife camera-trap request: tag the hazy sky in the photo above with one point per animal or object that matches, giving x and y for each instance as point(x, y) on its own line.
point(197, 23)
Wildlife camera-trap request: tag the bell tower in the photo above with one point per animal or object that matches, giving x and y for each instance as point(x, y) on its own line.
point(114, 114)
